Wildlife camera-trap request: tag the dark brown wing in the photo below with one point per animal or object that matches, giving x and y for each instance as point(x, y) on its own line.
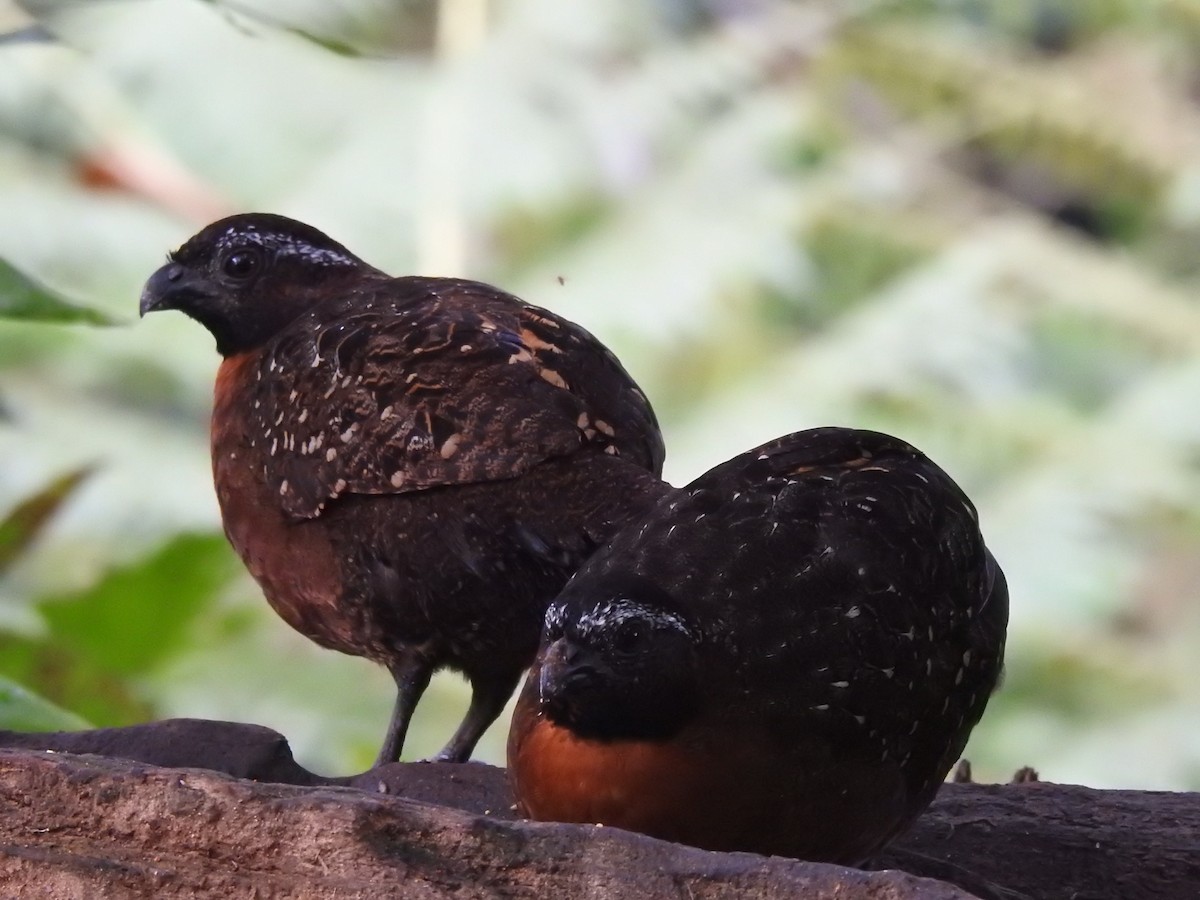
point(426, 382)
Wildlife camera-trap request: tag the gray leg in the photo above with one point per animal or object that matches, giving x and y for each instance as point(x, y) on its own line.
point(412, 677)
point(487, 702)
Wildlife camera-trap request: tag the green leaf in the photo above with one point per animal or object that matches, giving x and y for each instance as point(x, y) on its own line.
point(102, 641)
point(23, 710)
point(139, 615)
point(21, 298)
point(73, 680)
point(19, 528)
point(333, 45)
point(263, 18)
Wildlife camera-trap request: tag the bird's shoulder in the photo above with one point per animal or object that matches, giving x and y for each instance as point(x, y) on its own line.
point(417, 382)
point(845, 491)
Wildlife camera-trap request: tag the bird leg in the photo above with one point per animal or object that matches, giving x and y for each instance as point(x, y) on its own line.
point(412, 677)
point(488, 696)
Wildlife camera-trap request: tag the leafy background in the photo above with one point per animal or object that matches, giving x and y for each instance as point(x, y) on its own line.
point(970, 223)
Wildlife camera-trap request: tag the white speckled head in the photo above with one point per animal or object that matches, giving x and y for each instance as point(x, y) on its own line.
point(316, 248)
point(593, 610)
point(621, 611)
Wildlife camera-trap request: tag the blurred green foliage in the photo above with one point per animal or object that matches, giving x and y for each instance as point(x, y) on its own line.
point(973, 224)
point(21, 298)
point(23, 710)
point(97, 642)
point(22, 525)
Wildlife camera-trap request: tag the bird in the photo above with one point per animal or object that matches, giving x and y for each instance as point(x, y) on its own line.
point(786, 656)
point(410, 467)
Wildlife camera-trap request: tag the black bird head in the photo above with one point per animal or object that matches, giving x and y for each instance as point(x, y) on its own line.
point(247, 276)
point(619, 661)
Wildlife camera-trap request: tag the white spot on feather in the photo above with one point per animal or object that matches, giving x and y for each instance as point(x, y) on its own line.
point(553, 377)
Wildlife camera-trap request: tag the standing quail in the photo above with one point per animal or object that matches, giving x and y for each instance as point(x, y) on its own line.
point(411, 468)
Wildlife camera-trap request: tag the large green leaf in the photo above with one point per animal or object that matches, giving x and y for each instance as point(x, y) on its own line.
point(72, 680)
point(102, 640)
point(24, 299)
point(139, 615)
point(23, 710)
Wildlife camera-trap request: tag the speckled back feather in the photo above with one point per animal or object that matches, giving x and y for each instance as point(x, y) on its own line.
point(425, 382)
point(842, 586)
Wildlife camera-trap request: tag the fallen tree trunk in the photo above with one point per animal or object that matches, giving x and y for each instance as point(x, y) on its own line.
point(96, 827)
point(123, 826)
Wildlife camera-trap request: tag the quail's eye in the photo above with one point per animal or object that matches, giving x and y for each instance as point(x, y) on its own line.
point(241, 264)
point(629, 635)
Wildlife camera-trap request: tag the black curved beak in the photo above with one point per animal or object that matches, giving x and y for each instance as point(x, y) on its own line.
point(564, 669)
point(172, 287)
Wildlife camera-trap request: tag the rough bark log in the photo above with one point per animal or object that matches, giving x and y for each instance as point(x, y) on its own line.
point(97, 827)
point(91, 827)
